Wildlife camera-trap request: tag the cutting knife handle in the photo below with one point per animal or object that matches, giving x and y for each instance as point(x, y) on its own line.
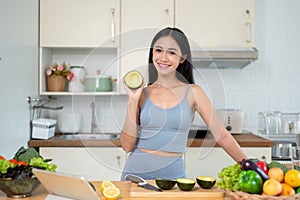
point(134, 178)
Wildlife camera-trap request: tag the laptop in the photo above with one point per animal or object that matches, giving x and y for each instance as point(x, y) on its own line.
point(65, 185)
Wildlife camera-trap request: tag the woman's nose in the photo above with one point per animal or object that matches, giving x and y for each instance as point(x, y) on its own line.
point(164, 56)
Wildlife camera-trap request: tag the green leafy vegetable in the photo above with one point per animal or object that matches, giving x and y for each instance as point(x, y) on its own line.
point(4, 166)
point(40, 163)
point(229, 177)
point(26, 154)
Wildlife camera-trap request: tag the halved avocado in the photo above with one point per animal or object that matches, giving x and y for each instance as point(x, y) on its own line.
point(185, 184)
point(206, 182)
point(165, 184)
point(133, 79)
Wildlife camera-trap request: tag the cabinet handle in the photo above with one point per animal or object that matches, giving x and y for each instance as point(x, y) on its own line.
point(167, 11)
point(118, 160)
point(249, 28)
point(113, 25)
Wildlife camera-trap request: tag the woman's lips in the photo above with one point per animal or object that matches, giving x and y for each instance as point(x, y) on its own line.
point(163, 66)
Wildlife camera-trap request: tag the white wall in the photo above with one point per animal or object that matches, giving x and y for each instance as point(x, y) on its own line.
point(19, 65)
point(271, 83)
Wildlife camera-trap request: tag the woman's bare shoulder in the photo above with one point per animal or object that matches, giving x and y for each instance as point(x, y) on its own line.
point(196, 89)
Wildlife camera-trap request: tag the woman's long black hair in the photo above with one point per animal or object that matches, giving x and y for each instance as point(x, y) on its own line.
point(185, 69)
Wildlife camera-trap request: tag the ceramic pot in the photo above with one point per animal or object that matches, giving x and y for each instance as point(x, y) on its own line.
point(98, 83)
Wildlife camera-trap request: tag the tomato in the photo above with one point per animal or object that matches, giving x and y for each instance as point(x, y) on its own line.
point(2, 158)
point(262, 165)
point(13, 161)
point(24, 163)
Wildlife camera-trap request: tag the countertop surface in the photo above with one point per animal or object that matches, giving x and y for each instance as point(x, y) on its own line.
point(244, 140)
point(40, 194)
point(124, 186)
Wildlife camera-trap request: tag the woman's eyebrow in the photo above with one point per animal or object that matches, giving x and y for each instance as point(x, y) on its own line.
point(172, 49)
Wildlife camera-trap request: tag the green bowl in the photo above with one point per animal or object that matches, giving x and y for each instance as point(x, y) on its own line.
point(206, 182)
point(185, 184)
point(165, 184)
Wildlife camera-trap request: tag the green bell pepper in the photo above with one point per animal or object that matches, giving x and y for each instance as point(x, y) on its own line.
point(250, 182)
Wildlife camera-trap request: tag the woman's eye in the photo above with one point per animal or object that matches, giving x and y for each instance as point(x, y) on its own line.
point(157, 50)
point(172, 52)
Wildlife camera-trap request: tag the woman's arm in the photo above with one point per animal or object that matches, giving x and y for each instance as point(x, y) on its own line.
point(129, 133)
point(223, 137)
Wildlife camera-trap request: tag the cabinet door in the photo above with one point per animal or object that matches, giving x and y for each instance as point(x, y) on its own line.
point(209, 161)
point(102, 163)
point(141, 20)
point(216, 23)
point(79, 23)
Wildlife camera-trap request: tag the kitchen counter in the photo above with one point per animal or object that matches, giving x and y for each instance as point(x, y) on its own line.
point(124, 186)
point(244, 140)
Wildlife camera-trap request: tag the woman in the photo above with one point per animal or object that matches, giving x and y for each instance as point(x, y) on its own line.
point(159, 116)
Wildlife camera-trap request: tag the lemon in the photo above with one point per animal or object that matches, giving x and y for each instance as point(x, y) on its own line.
point(106, 184)
point(111, 193)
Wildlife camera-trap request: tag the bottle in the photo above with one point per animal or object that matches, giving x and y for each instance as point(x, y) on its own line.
point(77, 83)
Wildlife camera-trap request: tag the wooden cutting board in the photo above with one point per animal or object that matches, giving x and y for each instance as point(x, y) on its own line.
point(214, 192)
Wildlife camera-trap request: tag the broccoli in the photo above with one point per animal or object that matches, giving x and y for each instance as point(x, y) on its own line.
point(277, 164)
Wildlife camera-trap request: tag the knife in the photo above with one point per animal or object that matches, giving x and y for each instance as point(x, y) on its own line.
point(141, 182)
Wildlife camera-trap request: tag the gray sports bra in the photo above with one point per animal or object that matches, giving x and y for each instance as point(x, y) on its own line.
point(165, 129)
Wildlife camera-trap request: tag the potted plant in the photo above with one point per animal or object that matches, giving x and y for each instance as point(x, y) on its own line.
point(57, 76)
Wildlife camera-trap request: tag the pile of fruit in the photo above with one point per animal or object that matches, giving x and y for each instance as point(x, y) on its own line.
point(109, 190)
point(259, 177)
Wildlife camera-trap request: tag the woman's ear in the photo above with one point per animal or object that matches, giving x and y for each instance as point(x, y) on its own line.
point(183, 58)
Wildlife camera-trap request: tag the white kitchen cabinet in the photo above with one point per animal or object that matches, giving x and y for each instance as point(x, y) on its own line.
point(141, 20)
point(208, 161)
point(94, 163)
point(79, 23)
point(80, 32)
point(216, 23)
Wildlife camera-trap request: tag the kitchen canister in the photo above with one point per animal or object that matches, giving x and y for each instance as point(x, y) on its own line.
point(77, 82)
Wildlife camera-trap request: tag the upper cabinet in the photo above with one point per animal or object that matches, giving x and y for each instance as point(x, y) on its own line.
point(140, 22)
point(79, 23)
point(115, 35)
point(217, 23)
point(80, 33)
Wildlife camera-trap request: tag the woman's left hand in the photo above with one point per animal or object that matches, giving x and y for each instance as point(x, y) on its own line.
point(134, 93)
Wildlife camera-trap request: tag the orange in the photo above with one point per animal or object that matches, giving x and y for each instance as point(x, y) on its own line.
point(292, 177)
point(106, 184)
point(276, 173)
point(272, 187)
point(111, 193)
point(287, 190)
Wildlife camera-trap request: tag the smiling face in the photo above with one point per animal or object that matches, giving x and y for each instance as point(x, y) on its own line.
point(166, 55)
